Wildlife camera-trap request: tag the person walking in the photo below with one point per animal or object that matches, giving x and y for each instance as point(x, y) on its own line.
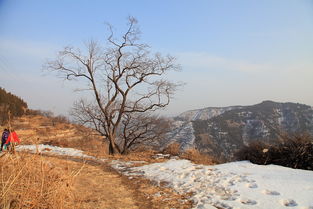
point(12, 141)
point(4, 138)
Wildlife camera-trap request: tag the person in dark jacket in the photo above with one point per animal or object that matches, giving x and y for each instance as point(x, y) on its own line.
point(4, 138)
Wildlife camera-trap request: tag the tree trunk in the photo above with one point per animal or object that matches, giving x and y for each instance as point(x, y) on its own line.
point(123, 151)
point(113, 147)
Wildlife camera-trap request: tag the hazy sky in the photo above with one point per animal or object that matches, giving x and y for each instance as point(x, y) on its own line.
point(232, 52)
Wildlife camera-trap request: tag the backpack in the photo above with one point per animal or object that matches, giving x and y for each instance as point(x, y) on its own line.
point(5, 136)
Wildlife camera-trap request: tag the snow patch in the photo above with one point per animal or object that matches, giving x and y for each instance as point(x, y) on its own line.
point(48, 149)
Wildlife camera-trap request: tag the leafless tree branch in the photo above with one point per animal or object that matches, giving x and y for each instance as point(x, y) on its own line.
point(127, 81)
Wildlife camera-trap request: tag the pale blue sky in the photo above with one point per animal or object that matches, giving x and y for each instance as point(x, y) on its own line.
point(232, 52)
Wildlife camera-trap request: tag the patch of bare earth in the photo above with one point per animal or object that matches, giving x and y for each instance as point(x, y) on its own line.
point(99, 186)
point(158, 196)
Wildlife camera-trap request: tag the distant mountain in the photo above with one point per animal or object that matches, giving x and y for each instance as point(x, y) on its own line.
point(10, 103)
point(205, 113)
point(222, 131)
point(182, 133)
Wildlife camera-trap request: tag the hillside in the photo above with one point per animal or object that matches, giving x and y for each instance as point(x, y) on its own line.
point(35, 126)
point(10, 103)
point(38, 129)
point(225, 130)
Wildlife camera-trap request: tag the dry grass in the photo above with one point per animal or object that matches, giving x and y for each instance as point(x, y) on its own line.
point(90, 144)
point(35, 181)
point(142, 155)
point(172, 149)
point(27, 181)
point(190, 154)
point(196, 157)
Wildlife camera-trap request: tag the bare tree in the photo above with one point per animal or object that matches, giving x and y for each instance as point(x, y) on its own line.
point(126, 81)
point(139, 129)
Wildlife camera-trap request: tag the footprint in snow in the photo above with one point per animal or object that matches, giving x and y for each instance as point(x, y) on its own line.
point(229, 198)
point(242, 179)
point(205, 206)
point(269, 192)
point(247, 201)
point(221, 205)
point(252, 185)
point(228, 183)
point(288, 202)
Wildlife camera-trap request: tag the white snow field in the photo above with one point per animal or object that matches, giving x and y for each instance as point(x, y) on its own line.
point(231, 185)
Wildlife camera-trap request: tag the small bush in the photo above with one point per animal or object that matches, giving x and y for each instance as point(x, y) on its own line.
point(60, 119)
point(291, 151)
point(197, 157)
point(172, 149)
point(256, 152)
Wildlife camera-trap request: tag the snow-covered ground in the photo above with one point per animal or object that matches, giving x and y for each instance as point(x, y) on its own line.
point(231, 185)
point(53, 150)
point(235, 185)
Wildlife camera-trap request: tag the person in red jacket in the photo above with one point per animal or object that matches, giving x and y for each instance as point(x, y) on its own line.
point(12, 139)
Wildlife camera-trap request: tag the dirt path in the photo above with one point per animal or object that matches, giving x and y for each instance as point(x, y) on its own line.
point(97, 185)
point(96, 188)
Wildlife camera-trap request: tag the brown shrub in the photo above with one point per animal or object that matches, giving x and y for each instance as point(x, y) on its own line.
point(172, 149)
point(256, 152)
point(195, 156)
point(292, 151)
point(137, 155)
point(60, 119)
